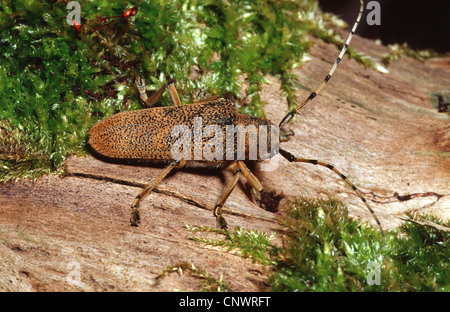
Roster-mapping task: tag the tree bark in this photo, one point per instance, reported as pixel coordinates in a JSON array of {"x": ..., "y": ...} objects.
[{"x": 381, "y": 130}]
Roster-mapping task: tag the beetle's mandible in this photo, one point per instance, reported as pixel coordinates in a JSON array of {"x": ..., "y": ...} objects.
[{"x": 147, "y": 134}]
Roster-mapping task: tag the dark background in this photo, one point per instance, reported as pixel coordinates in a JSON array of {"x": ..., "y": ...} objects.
[{"x": 422, "y": 24}]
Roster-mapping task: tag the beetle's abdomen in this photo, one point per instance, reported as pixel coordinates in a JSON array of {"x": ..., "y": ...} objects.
[{"x": 147, "y": 134}]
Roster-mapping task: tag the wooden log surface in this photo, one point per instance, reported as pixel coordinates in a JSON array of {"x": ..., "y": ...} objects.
[{"x": 382, "y": 130}]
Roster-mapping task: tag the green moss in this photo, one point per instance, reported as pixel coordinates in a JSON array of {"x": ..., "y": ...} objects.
[
  {"x": 209, "y": 283},
  {"x": 55, "y": 83},
  {"x": 396, "y": 51},
  {"x": 326, "y": 250},
  {"x": 254, "y": 244},
  {"x": 422, "y": 260},
  {"x": 21, "y": 155}
]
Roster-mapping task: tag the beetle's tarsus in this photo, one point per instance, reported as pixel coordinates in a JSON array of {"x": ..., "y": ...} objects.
[
  {"x": 221, "y": 222},
  {"x": 135, "y": 218},
  {"x": 285, "y": 135},
  {"x": 256, "y": 194}
]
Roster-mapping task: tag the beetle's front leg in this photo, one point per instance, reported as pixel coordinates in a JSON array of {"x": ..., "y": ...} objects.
[
  {"x": 285, "y": 134},
  {"x": 220, "y": 220},
  {"x": 239, "y": 168}
]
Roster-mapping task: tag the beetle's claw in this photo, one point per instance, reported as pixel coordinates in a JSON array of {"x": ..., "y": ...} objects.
[
  {"x": 221, "y": 222},
  {"x": 140, "y": 83},
  {"x": 285, "y": 135},
  {"x": 135, "y": 216}
]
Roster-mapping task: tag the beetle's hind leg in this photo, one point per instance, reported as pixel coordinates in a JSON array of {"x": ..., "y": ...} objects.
[
  {"x": 147, "y": 101},
  {"x": 151, "y": 101},
  {"x": 135, "y": 212}
]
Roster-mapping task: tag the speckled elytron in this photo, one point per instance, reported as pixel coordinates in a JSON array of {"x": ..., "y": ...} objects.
[{"x": 147, "y": 135}]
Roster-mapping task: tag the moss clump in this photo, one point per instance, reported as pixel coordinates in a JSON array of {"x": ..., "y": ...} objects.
[
  {"x": 55, "y": 82},
  {"x": 209, "y": 283},
  {"x": 326, "y": 250},
  {"x": 21, "y": 156},
  {"x": 254, "y": 244},
  {"x": 396, "y": 51}
]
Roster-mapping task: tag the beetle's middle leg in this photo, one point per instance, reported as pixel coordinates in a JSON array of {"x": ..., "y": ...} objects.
[
  {"x": 151, "y": 101},
  {"x": 220, "y": 220},
  {"x": 256, "y": 187},
  {"x": 135, "y": 212},
  {"x": 239, "y": 169}
]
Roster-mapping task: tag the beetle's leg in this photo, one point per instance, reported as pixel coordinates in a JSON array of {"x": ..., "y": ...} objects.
[
  {"x": 285, "y": 134},
  {"x": 254, "y": 182},
  {"x": 135, "y": 213},
  {"x": 238, "y": 168},
  {"x": 221, "y": 223},
  {"x": 151, "y": 101},
  {"x": 148, "y": 101},
  {"x": 173, "y": 94},
  {"x": 292, "y": 158},
  {"x": 256, "y": 187}
]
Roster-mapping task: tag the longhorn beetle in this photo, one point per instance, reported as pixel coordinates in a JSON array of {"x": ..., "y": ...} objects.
[{"x": 147, "y": 134}]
